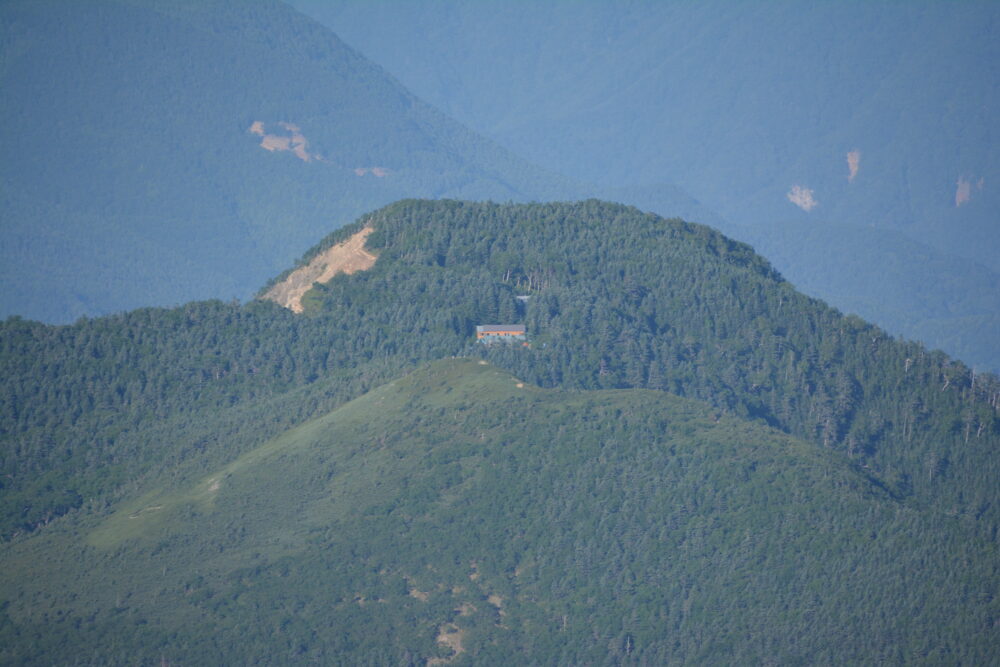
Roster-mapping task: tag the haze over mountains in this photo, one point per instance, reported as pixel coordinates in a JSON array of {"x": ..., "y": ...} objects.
[
  {"x": 832, "y": 119},
  {"x": 689, "y": 462},
  {"x": 158, "y": 152},
  {"x": 884, "y": 111}
]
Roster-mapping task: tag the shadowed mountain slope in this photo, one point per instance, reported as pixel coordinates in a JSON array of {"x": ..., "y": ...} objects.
[{"x": 158, "y": 152}]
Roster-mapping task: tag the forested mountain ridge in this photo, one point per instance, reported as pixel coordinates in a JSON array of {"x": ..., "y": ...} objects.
[
  {"x": 618, "y": 299},
  {"x": 459, "y": 515},
  {"x": 625, "y": 299},
  {"x": 471, "y": 510}
]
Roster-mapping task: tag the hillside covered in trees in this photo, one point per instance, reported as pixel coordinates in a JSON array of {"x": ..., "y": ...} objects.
[
  {"x": 690, "y": 462},
  {"x": 481, "y": 520}
]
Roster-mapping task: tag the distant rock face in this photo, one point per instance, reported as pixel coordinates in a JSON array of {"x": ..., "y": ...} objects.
[
  {"x": 290, "y": 138},
  {"x": 802, "y": 197},
  {"x": 878, "y": 83},
  {"x": 964, "y": 189},
  {"x": 853, "y": 163},
  {"x": 210, "y": 155},
  {"x": 347, "y": 257},
  {"x": 378, "y": 172}
]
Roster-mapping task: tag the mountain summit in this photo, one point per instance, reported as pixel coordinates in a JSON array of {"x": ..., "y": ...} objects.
[
  {"x": 685, "y": 460},
  {"x": 852, "y": 144}
]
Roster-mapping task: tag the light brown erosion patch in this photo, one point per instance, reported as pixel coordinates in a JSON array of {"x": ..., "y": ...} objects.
[
  {"x": 347, "y": 257},
  {"x": 378, "y": 172},
  {"x": 293, "y": 140},
  {"x": 853, "y": 163},
  {"x": 963, "y": 191},
  {"x": 802, "y": 197},
  {"x": 272, "y": 142},
  {"x": 449, "y": 635}
]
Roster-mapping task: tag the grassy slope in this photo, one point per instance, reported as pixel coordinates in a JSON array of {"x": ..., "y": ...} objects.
[{"x": 562, "y": 526}]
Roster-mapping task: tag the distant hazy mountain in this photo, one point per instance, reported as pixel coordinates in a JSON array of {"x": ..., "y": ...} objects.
[
  {"x": 157, "y": 152},
  {"x": 736, "y": 102},
  {"x": 946, "y": 301},
  {"x": 238, "y": 483},
  {"x": 882, "y": 115}
]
